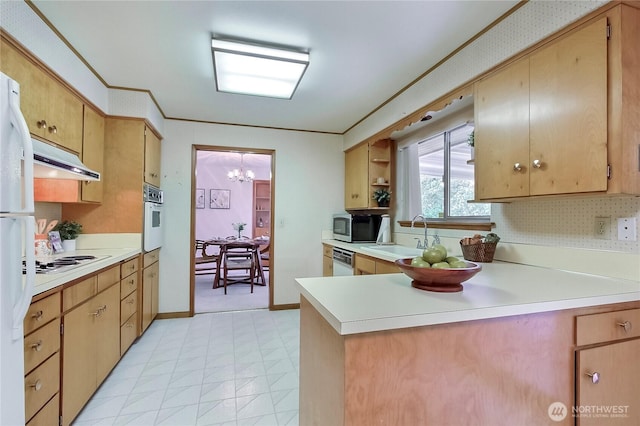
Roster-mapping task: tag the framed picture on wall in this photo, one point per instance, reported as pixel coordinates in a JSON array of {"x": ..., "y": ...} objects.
[
  {"x": 219, "y": 198},
  {"x": 200, "y": 198}
]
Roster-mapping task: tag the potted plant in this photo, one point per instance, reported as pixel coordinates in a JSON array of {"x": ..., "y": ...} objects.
[
  {"x": 382, "y": 196},
  {"x": 69, "y": 231},
  {"x": 239, "y": 227}
]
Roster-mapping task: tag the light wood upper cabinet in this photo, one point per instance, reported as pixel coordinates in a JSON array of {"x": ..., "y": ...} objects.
[
  {"x": 502, "y": 133},
  {"x": 52, "y": 111},
  {"x": 93, "y": 153},
  {"x": 125, "y": 147},
  {"x": 568, "y": 113},
  {"x": 151, "y": 158},
  {"x": 356, "y": 177},
  {"x": 364, "y": 164},
  {"x": 64, "y": 117},
  {"x": 541, "y": 122}
]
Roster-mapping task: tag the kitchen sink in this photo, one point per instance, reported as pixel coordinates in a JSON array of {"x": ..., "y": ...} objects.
[{"x": 398, "y": 252}]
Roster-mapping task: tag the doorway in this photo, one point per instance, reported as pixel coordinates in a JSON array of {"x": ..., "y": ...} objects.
[{"x": 232, "y": 200}]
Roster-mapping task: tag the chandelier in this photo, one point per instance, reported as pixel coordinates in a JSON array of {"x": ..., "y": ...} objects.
[{"x": 239, "y": 174}]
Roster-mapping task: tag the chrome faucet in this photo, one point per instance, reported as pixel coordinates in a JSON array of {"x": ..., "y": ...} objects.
[{"x": 424, "y": 222}]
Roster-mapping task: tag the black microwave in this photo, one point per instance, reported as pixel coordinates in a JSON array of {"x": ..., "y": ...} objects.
[{"x": 356, "y": 228}]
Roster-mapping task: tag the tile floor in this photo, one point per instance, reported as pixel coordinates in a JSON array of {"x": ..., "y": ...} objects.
[
  {"x": 238, "y": 297},
  {"x": 231, "y": 368}
]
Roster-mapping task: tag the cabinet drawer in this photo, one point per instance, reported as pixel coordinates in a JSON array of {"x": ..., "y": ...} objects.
[
  {"x": 40, "y": 344},
  {"x": 41, "y": 312},
  {"x": 78, "y": 293},
  {"x": 608, "y": 326},
  {"x": 108, "y": 278},
  {"x": 383, "y": 267},
  {"x": 151, "y": 257},
  {"x": 327, "y": 250},
  {"x": 41, "y": 384},
  {"x": 49, "y": 415},
  {"x": 129, "y": 267},
  {"x": 128, "y": 306},
  {"x": 128, "y": 333},
  {"x": 365, "y": 265},
  {"x": 127, "y": 285}
]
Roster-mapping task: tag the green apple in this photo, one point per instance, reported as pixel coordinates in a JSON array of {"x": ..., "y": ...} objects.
[
  {"x": 459, "y": 264},
  {"x": 433, "y": 255},
  {"x": 452, "y": 259},
  {"x": 441, "y": 265},
  {"x": 442, "y": 249},
  {"x": 420, "y": 263}
]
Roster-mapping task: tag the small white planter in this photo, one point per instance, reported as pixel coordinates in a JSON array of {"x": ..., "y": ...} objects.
[{"x": 69, "y": 245}]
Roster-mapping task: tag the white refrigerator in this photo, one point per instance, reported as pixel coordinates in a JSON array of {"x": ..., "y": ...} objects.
[{"x": 16, "y": 240}]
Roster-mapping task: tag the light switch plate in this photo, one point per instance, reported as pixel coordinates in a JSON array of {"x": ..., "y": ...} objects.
[{"x": 627, "y": 229}]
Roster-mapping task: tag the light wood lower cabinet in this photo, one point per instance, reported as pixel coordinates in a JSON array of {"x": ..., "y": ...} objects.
[
  {"x": 327, "y": 260},
  {"x": 91, "y": 348},
  {"x": 41, "y": 385},
  {"x": 150, "y": 284},
  {"x": 608, "y": 376},
  {"x": 365, "y": 265},
  {"x": 129, "y": 303},
  {"x": 42, "y": 361},
  {"x": 49, "y": 415},
  {"x": 510, "y": 370}
]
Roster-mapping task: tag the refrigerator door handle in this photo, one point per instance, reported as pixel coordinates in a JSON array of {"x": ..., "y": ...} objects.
[
  {"x": 20, "y": 124},
  {"x": 23, "y": 302}
]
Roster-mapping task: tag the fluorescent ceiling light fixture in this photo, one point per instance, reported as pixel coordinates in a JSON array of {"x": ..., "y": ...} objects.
[{"x": 257, "y": 70}]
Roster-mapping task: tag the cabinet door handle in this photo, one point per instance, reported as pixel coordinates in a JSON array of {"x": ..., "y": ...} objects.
[
  {"x": 537, "y": 164},
  {"x": 37, "y": 315},
  {"x": 37, "y": 385},
  {"x": 130, "y": 301},
  {"x": 131, "y": 281},
  {"x": 595, "y": 377},
  {"x": 96, "y": 313},
  {"x": 53, "y": 129},
  {"x": 517, "y": 167},
  {"x": 37, "y": 346},
  {"x": 626, "y": 325},
  {"x": 42, "y": 124}
]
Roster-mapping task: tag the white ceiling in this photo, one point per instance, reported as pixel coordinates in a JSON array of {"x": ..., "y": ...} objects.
[{"x": 362, "y": 52}]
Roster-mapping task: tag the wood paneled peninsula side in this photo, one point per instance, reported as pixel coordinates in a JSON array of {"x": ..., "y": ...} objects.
[{"x": 374, "y": 350}]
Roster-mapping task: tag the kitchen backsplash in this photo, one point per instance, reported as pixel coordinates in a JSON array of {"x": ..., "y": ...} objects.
[
  {"x": 48, "y": 211},
  {"x": 565, "y": 222}
]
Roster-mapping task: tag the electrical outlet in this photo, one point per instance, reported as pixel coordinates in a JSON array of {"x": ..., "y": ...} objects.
[
  {"x": 627, "y": 229},
  {"x": 603, "y": 227}
]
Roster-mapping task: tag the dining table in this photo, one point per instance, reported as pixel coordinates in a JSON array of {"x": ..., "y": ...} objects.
[{"x": 251, "y": 244}]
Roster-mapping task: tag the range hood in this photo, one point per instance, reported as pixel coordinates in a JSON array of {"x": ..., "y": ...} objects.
[{"x": 50, "y": 162}]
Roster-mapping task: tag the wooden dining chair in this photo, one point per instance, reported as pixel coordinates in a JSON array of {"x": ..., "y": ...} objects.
[
  {"x": 263, "y": 262},
  {"x": 238, "y": 256},
  {"x": 207, "y": 256}
]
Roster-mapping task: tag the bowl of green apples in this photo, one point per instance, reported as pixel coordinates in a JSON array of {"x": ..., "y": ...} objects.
[{"x": 436, "y": 271}]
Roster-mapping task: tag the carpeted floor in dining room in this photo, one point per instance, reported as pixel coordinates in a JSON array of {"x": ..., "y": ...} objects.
[{"x": 238, "y": 297}]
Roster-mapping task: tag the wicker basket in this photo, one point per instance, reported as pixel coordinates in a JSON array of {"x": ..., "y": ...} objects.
[{"x": 481, "y": 252}]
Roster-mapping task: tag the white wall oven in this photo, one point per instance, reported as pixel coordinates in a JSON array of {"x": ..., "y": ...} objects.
[{"x": 153, "y": 218}]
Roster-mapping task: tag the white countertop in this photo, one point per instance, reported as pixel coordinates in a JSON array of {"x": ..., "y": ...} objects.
[
  {"x": 46, "y": 282},
  {"x": 367, "y": 303}
]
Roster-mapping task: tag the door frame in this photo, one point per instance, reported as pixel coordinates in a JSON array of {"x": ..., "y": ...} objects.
[{"x": 194, "y": 156}]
